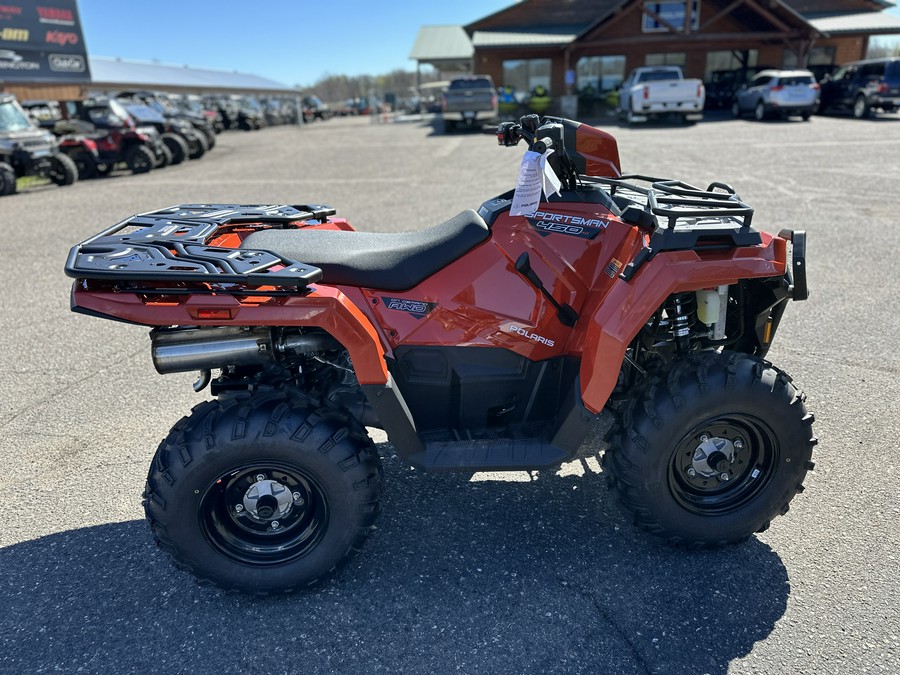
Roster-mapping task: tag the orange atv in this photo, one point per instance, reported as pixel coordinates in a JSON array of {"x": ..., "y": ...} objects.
[{"x": 489, "y": 342}]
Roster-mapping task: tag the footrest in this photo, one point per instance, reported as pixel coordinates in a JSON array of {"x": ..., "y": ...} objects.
[{"x": 502, "y": 454}]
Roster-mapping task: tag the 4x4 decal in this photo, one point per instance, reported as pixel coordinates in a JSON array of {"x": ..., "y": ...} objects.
[{"x": 417, "y": 308}]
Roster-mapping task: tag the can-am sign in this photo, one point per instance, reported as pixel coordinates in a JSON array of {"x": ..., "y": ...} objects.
[{"x": 42, "y": 42}]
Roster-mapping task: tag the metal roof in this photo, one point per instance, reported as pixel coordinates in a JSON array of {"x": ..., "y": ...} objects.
[
  {"x": 441, "y": 43},
  {"x": 513, "y": 38},
  {"x": 864, "y": 22},
  {"x": 107, "y": 71}
]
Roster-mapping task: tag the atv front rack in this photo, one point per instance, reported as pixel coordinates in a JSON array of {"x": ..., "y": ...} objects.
[
  {"x": 679, "y": 216},
  {"x": 172, "y": 245}
]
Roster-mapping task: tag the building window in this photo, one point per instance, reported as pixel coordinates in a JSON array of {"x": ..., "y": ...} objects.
[
  {"x": 672, "y": 12},
  {"x": 599, "y": 73},
  {"x": 666, "y": 59},
  {"x": 717, "y": 62},
  {"x": 820, "y": 61},
  {"x": 525, "y": 75}
]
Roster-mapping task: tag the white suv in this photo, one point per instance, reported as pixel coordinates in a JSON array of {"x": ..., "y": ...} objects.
[{"x": 778, "y": 93}]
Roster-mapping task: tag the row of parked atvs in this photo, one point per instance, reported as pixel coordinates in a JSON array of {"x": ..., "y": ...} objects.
[{"x": 67, "y": 140}]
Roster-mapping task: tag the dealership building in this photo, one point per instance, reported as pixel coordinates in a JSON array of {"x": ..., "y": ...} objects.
[{"x": 568, "y": 46}]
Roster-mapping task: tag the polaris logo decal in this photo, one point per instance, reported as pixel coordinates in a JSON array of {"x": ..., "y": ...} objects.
[
  {"x": 416, "y": 308},
  {"x": 561, "y": 223},
  {"x": 526, "y": 333}
]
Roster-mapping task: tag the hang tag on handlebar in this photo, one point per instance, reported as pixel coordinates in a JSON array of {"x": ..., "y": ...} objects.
[
  {"x": 549, "y": 180},
  {"x": 528, "y": 187}
]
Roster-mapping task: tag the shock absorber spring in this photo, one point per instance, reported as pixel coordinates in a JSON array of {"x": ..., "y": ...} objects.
[{"x": 683, "y": 312}]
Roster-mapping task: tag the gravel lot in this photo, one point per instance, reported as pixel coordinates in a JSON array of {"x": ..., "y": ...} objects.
[{"x": 494, "y": 574}]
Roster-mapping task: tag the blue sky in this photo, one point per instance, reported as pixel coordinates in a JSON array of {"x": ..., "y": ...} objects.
[{"x": 290, "y": 41}]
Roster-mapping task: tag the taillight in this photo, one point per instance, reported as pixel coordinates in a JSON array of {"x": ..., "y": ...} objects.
[
  {"x": 90, "y": 144},
  {"x": 646, "y": 91},
  {"x": 444, "y": 103},
  {"x": 815, "y": 85},
  {"x": 493, "y": 100},
  {"x": 777, "y": 87},
  {"x": 699, "y": 90},
  {"x": 883, "y": 88}
]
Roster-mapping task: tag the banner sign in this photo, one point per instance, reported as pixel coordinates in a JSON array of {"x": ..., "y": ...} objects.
[{"x": 42, "y": 42}]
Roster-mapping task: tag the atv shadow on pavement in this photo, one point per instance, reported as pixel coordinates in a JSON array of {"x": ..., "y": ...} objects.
[{"x": 475, "y": 576}]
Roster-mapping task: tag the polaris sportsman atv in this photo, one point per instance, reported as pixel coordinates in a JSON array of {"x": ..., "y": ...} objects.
[{"x": 489, "y": 342}]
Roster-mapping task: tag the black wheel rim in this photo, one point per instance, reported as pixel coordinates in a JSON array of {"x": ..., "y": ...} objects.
[
  {"x": 738, "y": 479},
  {"x": 264, "y": 538}
]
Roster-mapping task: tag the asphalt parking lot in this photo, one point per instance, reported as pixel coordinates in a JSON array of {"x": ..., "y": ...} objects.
[{"x": 485, "y": 574}]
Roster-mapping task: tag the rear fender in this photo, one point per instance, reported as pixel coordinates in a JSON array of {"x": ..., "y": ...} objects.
[
  {"x": 630, "y": 304},
  {"x": 325, "y": 307}
]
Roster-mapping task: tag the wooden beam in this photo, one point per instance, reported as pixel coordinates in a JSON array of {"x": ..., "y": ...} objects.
[
  {"x": 728, "y": 10},
  {"x": 695, "y": 39},
  {"x": 771, "y": 18}
]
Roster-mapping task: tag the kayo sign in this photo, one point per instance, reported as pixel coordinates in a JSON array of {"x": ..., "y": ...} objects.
[{"x": 42, "y": 41}]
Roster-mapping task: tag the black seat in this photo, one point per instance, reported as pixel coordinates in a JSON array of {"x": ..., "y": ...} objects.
[{"x": 386, "y": 261}]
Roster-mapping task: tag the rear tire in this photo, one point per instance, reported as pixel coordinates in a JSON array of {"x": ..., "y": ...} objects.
[
  {"x": 861, "y": 108},
  {"x": 62, "y": 170},
  {"x": 265, "y": 494},
  {"x": 709, "y": 452},
  {"x": 7, "y": 179},
  {"x": 86, "y": 163},
  {"x": 736, "y": 109},
  {"x": 140, "y": 159}
]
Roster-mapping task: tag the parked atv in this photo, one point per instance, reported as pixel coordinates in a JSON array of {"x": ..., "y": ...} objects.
[
  {"x": 120, "y": 140},
  {"x": 28, "y": 150},
  {"x": 489, "y": 342},
  {"x": 165, "y": 105},
  {"x": 183, "y": 141},
  {"x": 74, "y": 137}
]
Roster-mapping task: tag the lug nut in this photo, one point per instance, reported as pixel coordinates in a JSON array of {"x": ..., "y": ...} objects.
[
  {"x": 691, "y": 472},
  {"x": 724, "y": 477},
  {"x": 704, "y": 438},
  {"x": 260, "y": 477},
  {"x": 298, "y": 498},
  {"x": 238, "y": 508},
  {"x": 738, "y": 444},
  {"x": 275, "y": 524}
]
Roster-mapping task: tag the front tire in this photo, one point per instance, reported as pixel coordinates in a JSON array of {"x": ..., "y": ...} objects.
[
  {"x": 177, "y": 146},
  {"x": 708, "y": 453},
  {"x": 263, "y": 495},
  {"x": 736, "y": 110},
  {"x": 861, "y": 108},
  {"x": 760, "y": 112},
  {"x": 62, "y": 170},
  {"x": 7, "y": 179}
]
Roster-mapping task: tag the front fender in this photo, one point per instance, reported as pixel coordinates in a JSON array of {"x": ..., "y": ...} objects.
[{"x": 629, "y": 305}]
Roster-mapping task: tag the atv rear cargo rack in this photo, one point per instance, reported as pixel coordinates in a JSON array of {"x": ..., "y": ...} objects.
[
  {"x": 680, "y": 216},
  {"x": 171, "y": 245}
]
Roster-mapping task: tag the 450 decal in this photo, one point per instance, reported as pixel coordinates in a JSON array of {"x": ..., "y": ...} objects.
[{"x": 561, "y": 223}]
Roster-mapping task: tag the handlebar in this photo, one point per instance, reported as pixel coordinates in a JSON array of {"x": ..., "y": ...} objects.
[{"x": 541, "y": 135}]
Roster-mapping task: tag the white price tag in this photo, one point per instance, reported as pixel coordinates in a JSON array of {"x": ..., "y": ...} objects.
[
  {"x": 550, "y": 180},
  {"x": 528, "y": 187}
]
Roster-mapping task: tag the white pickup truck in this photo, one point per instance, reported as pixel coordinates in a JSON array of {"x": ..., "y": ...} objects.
[{"x": 660, "y": 91}]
